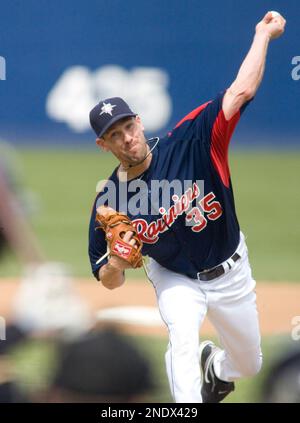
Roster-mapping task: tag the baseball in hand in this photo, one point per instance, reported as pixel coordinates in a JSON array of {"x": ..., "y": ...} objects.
[{"x": 274, "y": 13}]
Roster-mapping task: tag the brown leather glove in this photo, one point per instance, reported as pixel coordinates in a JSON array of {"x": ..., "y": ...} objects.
[{"x": 115, "y": 225}]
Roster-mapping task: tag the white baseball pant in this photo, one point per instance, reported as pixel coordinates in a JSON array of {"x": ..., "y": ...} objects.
[{"x": 229, "y": 302}]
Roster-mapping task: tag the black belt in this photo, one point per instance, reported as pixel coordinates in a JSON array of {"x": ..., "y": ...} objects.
[{"x": 208, "y": 275}]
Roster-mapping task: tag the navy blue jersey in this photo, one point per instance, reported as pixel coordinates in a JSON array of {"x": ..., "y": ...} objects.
[{"x": 191, "y": 225}]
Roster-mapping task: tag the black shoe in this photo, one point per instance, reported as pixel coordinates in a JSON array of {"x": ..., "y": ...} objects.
[{"x": 213, "y": 390}]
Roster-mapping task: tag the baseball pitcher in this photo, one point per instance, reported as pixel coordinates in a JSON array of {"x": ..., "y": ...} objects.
[{"x": 171, "y": 199}]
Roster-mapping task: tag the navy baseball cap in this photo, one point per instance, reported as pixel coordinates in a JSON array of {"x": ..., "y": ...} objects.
[{"x": 108, "y": 112}]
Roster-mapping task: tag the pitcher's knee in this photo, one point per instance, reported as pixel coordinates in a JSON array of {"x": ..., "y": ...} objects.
[{"x": 183, "y": 341}]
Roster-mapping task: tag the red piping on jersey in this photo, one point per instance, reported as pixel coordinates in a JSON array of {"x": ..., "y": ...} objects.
[
  {"x": 193, "y": 114},
  {"x": 220, "y": 138}
]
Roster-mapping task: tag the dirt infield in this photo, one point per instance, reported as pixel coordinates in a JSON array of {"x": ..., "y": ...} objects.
[{"x": 278, "y": 303}]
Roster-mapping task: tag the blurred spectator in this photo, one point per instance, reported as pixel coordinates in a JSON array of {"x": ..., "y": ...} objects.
[
  {"x": 46, "y": 303},
  {"x": 16, "y": 234},
  {"x": 101, "y": 366},
  {"x": 282, "y": 384},
  {"x": 46, "y": 300},
  {"x": 15, "y": 231}
]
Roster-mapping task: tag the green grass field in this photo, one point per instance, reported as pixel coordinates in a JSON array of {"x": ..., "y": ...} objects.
[
  {"x": 35, "y": 361},
  {"x": 246, "y": 390},
  {"x": 266, "y": 193}
]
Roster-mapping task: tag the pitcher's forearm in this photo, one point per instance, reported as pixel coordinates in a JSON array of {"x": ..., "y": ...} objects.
[
  {"x": 111, "y": 277},
  {"x": 252, "y": 69}
]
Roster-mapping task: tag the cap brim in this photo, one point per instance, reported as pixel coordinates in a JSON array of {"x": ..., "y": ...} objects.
[{"x": 114, "y": 120}]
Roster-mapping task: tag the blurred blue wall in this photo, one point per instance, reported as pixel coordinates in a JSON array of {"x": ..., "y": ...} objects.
[{"x": 199, "y": 44}]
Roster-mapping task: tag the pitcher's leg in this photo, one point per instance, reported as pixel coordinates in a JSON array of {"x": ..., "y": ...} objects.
[
  {"x": 238, "y": 329},
  {"x": 234, "y": 314},
  {"x": 183, "y": 307}
]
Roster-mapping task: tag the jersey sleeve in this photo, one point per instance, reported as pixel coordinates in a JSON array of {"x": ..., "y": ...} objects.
[
  {"x": 208, "y": 124},
  {"x": 97, "y": 244}
]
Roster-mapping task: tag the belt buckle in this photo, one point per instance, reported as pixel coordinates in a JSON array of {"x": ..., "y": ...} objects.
[
  {"x": 204, "y": 273},
  {"x": 213, "y": 269}
]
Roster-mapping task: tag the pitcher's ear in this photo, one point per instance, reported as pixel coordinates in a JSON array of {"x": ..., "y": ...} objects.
[
  {"x": 101, "y": 144},
  {"x": 139, "y": 121}
]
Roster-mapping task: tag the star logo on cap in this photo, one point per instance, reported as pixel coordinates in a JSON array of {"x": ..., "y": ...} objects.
[{"x": 107, "y": 108}]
